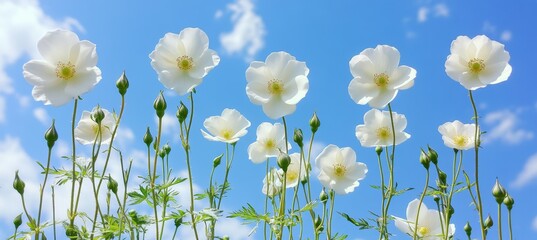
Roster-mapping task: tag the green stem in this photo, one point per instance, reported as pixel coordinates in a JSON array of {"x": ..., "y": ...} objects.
[
  {"x": 456, "y": 171},
  {"x": 186, "y": 147},
  {"x": 285, "y": 134},
  {"x": 382, "y": 188},
  {"x": 42, "y": 189},
  {"x": 476, "y": 148},
  {"x": 423, "y": 193},
  {"x": 154, "y": 176},
  {"x": 500, "y": 221},
  {"x": 72, "y": 213},
  {"x": 329, "y": 224},
  {"x": 509, "y": 223},
  {"x": 53, "y": 213},
  {"x": 391, "y": 162},
  {"x": 282, "y": 205},
  {"x": 266, "y": 199}
]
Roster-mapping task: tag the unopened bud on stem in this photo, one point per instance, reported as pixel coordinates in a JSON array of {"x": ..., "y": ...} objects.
[
  {"x": 148, "y": 138},
  {"x": 283, "y": 161},
  {"x": 160, "y": 105},
  {"x": 314, "y": 123},
  {"x": 122, "y": 84},
  {"x": 298, "y": 138},
  {"x": 51, "y": 135},
  {"x": 18, "y": 184}
]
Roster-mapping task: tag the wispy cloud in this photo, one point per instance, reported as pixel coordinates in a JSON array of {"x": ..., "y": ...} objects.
[
  {"x": 529, "y": 173},
  {"x": 23, "y": 23},
  {"x": 534, "y": 224},
  {"x": 505, "y": 128},
  {"x": 247, "y": 35},
  {"x": 41, "y": 115},
  {"x": 491, "y": 29},
  {"x": 506, "y": 36},
  {"x": 2, "y": 109},
  {"x": 440, "y": 10}
]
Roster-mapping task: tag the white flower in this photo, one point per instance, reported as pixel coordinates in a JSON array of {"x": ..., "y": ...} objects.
[
  {"x": 183, "y": 60},
  {"x": 87, "y": 130},
  {"x": 272, "y": 183},
  {"x": 458, "y": 135},
  {"x": 295, "y": 171},
  {"x": 228, "y": 127},
  {"x": 278, "y": 84},
  {"x": 67, "y": 71},
  {"x": 377, "y": 76},
  {"x": 377, "y": 129},
  {"x": 429, "y": 227},
  {"x": 270, "y": 141},
  {"x": 477, "y": 62},
  {"x": 339, "y": 170}
]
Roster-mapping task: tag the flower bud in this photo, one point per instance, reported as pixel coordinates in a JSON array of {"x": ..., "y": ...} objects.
[
  {"x": 424, "y": 159},
  {"x": 436, "y": 198},
  {"x": 112, "y": 184},
  {"x": 178, "y": 221},
  {"x": 468, "y": 229},
  {"x": 509, "y": 202},
  {"x": 217, "y": 160},
  {"x": 378, "y": 150},
  {"x": 122, "y": 84},
  {"x": 314, "y": 123},
  {"x": 43, "y": 237},
  {"x": 18, "y": 184},
  {"x": 298, "y": 138},
  {"x": 160, "y": 105},
  {"x": 51, "y": 135},
  {"x": 283, "y": 161},
  {"x": 451, "y": 211},
  {"x": 71, "y": 232},
  {"x": 225, "y": 238},
  {"x": 442, "y": 177},
  {"x": 488, "y": 222},
  {"x": 97, "y": 115},
  {"x": 182, "y": 113},
  {"x": 498, "y": 192},
  {"x": 162, "y": 153},
  {"x": 319, "y": 224},
  {"x": 323, "y": 196},
  {"x": 433, "y": 155},
  {"x": 17, "y": 221},
  {"x": 167, "y": 149},
  {"x": 148, "y": 138}
]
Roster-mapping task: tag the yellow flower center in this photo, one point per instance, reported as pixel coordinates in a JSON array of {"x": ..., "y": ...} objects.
[
  {"x": 383, "y": 133},
  {"x": 275, "y": 87},
  {"x": 381, "y": 79},
  {"x": 291, "y": 176},
  {"x": 476, "y": 65},
  {"x": 65, "y": 71},
  {"x": 185, "y": 63},
  {"x": 339, "y": 170},
  {"x": 270, "y": 144},
  {"x": 423, "y": 231},
  {"x": 226, "y": 134},
  {"x": 460, "y": 141}
]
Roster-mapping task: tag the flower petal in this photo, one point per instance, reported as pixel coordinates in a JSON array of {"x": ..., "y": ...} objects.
[
  {"x": 383, "y": 98},
  {"x": 55, "y": 45},
  {"x": 195, "y": 42},
  {"x": 256, "y": 153},
  {"x": 84, "y": 55},
  {"x": 362, "y": 93},
  {"x": 295, "y": 90},
  {"x": 361, "y": 65},
  {"x": 402, "y": 77},
  {"x": 39, "y": 72},
  {"x": 205, "y": 63},
  {"x": 178, "y": 81},
  {"x": 51, "y": 94},
  {"x": 276, "y": 108},
  {"x": 82, "y": 82},
  {"x": 276, "y": 63}
]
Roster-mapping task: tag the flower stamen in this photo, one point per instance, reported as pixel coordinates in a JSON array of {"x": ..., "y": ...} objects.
[
  {"x": 423, "y": 231},
  {"x": 270, "y": 144},
  {"x": 461, "y": 141},
  {"x": 339, "y": 169},
  {"x": 185, "y": 63},
  {"x": 65, "y": 71},
  {"x": 381, "y": 79},
  {"x": 226, "y": 134},
  {"x": 291, "y": 176},
  {"x": 476, "y": 65},
  {"x": 383, "y": 133},
  {"x": 275, "y": 87}
]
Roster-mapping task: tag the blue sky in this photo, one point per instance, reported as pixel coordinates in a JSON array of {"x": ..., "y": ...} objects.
[{"x": 325, "y": 36}]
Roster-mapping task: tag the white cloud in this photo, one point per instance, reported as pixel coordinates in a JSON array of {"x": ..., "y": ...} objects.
[
  {"x": 528, "y": 174},
  {"x": 124, "y": 136},
  {"x": 488, "y": 27},
  {"x": 61, "y": 148},
  {"x": 23, "y": 24},
  {"x": 2, "y": 109},
  {"x": 170, "y": 125},
  {"x": 506, "y": 36},
  {"x": 422, "y": 14},
  {"x": 505, "y": 128},
  {"x": 441, "y": 10},
  {"x": 41, "y": 115},
  {"x": 534, "y": 224},
  {"x": 248, "y": 31},
  {"x": 218, "y": 14}
]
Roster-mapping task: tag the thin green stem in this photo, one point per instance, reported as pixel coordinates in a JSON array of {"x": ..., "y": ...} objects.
[
  {"x": 154, "y": 176},
  {"x": 500, "y": 221},
  {"x": 266, "y": 199},
  {"x": 509, "y": 223},
  {"x": 285, "y": 134},
  {"x": 329, "y": 224},
  {"x": 42, "y": 188},
  {"x": 456, "y": 171},
  {"x": 282, "y": 205},
  {"x": 476, "y": 148},
  {"x": 186, "y": 147},
  {"x": 53, "y": 212},
  {"x": 391, "y": 164},
  {"x": 72, "y": 213},
  {"x": 423, "y": 193},
  {"x": 383, "y": 190}
]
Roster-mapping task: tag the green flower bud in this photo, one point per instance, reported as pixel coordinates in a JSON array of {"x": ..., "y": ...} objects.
[
  {"x": 97, "y": 115},
  {"x": 43, "y": 237},
  {"x": 509, "y": 202},
  {"x": 160, "y": 105},
  {"x": 319, "y": 224},
  {"x": 182, "y": 113},
  {"x": 283, "y": 161},
  {"x": 314, "y": 123},
  {"x": 298, "y": 138},
  {"x": 323, "y": 196},
  {"x": 304, "y": 180},
  {"x": 167, "y": 149},
  {"x": 217, "y": 160},
  {"x": 17, "y": 221},
  {"x": 178, "y": 221},
  {"x": 468, "y": 229},
  {"x": 18, "y": 184},
  {"x": 488, "y": 222},
  {"x": 424, "y": 159},
  {"x": 436, "y": 198},
  {"x": 498, "y": 192},
  {"x": 442, "y": 177},
  {"x": 122, "y": 84},
  {"x": 162, "y": 153},
  {"x": 433, "y": 155},
  {"x": 112, "y": 184},
  {"x": 225, "y": 238},
  {"x": 451, "y": 211},
  {"x": 71, "y": 232},
  {"x": 378, "y": 150},
  {"x": 148, "y": 138},
  {"x": 51, "y": 135}
]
